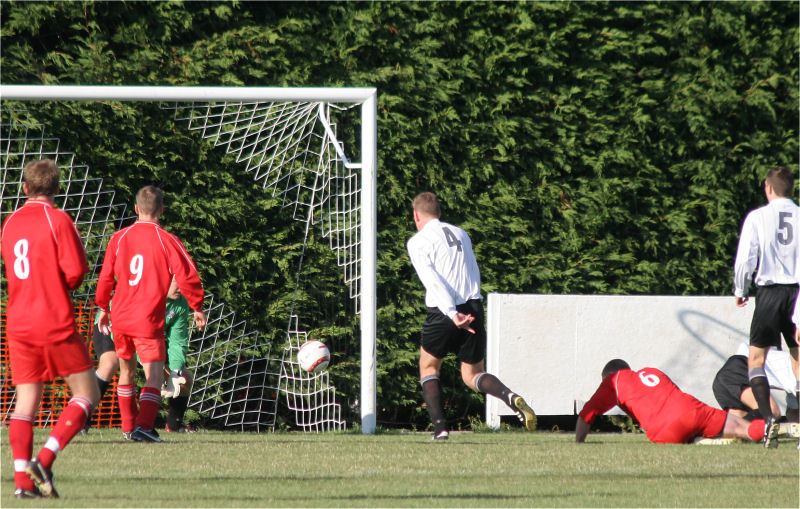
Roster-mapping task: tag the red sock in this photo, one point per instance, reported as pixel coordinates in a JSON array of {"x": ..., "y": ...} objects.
[
  {"x": 69, "y": 423},
  {"x": 149, "y": 404},
  {"x": 20, "y": 437},
  {"x": 126, "y": 396},
  {"x": 756, "y": 430}
]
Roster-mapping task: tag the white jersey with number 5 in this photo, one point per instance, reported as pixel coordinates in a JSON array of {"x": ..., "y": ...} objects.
[
  {"x": 442, "y": 256},
  {"x": 769, "y": 240}
]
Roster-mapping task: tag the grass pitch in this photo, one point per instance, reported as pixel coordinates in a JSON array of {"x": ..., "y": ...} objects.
[{"x": 403, "y": 469}]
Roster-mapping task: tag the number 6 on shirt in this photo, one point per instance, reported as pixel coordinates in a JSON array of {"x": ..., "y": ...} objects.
[
  {"x": 650, "y": 380},
  {"x": 137, "y": 264}
]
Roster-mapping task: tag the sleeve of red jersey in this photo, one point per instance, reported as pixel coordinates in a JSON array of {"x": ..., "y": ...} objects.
[
  {"x": 182, "y": 265},
  {"x": 105, "y": 282},
  {"x": 601, "y": 401},
  {"x": 71, "y": 254}
]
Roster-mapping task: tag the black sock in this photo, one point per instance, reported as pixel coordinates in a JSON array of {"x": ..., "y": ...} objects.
[
  {"x": 103, "y": 386},
  {"x": 177, "y": 407},
  {"x": 760, "y": 388},
  {"x": 752, "y": 415},
  {"x": 491, "y": 385},
  {"x": 432, "y": 394}
]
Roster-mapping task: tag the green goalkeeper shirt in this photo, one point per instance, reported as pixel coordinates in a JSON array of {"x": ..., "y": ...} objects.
[{"x": 176, "y": 330}]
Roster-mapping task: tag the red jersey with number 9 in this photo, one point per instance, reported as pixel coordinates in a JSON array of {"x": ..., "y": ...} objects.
[
  {"x": 44, "y": 260},
  {"x": 143, "y": 257},
  {"x": 647, "y": 395}
]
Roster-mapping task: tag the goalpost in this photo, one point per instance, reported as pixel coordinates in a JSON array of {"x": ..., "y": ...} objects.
[{"x": 300, "y": 103}]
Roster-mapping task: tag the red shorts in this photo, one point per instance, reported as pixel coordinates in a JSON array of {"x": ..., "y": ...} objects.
[
  {"x": 149, "y": 349},
  {"x": 43, "y": 363},
  {"x": 697, "y": 419}
]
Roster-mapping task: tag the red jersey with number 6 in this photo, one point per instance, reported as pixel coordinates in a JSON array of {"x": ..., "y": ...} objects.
[
  {"x": 45, "y": 260},
  {"x": 647, "y": 395},
  {"x": 143, "y": 257}
]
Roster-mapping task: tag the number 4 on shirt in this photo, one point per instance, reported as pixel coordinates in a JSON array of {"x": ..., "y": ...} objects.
[{"x": 452, "y": 240}]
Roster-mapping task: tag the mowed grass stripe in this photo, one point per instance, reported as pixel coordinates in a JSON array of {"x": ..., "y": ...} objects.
[{"x": 402, "y": 469}]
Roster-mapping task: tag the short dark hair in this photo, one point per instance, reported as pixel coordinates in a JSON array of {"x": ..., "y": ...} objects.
[
  {"x": 427, "y": 204},
  {"x": 782, "y": 181},
  {"x": 150, "y": 200},
  {"x": 41, "y": 177},
  {"x": 613, "y": 366}
]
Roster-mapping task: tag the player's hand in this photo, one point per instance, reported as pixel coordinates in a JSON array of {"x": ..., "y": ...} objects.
[
  {"x": 200, "y": 319},
  {"x": 462, "y": 321},
  {"x": 797, "y": 334},
  {"x": 742, "y": 301},
  {"x": 103, "y": 323}
]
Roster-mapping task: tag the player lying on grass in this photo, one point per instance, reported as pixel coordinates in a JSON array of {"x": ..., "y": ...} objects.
[
  {"x": 732, "y": 389},
  {"x": 669, "y": 415}
]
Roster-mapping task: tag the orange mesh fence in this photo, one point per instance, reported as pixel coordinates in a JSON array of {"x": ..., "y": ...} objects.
[{"x": 56, "y": 394}]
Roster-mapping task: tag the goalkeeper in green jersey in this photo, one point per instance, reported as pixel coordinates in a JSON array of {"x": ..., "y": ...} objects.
[
  {"x": 178, "y": 385},
  {"x": 178, "y": 381}
]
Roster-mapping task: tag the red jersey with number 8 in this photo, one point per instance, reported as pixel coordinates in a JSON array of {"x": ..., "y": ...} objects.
[
  {"x": 44, "y": 260},
  {"x": 650, "y": 397},
  {"x": 143, "y": 257}
]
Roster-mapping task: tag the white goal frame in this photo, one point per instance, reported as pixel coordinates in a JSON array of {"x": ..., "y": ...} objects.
[{"x": 366, "y": 97}]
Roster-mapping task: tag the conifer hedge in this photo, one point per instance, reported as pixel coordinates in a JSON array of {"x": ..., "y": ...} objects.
[{"x": 588, "y": 147}]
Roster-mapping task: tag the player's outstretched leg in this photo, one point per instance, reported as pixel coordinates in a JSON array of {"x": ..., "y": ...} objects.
[{"x": 491, "y": 385}]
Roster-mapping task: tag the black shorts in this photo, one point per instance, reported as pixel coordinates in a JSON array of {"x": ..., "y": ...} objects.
[
  {"x": 729, "y": 383},
  {"x": 773, "y": 316},
  {"x": 102, "y": 343},
  {"x": 440, "y": 335}
]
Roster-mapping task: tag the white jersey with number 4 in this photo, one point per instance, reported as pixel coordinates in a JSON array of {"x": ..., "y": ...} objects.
[
  {"x": 442, "y": 256},
  {"x": 769, "y": 240}
]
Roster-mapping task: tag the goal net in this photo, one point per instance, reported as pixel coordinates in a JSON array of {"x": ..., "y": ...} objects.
[{"x": 286, "y": 140}]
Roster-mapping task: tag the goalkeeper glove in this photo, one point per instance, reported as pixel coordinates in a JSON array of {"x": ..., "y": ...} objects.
[{"x": 172, "y": 385}]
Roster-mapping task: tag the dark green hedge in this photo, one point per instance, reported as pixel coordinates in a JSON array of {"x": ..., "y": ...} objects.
[{"x": 587, "y": 147}]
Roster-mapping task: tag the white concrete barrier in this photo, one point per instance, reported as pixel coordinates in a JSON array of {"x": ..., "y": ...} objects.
[{"x": 552, "y": 348}]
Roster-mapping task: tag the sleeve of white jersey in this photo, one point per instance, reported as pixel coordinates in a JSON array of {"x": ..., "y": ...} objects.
[
  {"x": 746, "y": 258},
  {"x": 434, "y": 283}
]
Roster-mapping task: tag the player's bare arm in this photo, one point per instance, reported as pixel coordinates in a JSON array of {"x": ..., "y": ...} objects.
[{"x": 581, "y": 430}]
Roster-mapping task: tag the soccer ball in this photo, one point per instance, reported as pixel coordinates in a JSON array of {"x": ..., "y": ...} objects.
[{"x": 313, "y": 356}]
